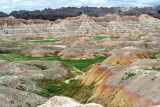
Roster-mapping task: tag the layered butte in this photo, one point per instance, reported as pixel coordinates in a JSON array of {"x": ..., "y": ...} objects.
[{"x": 80, "y": 25}]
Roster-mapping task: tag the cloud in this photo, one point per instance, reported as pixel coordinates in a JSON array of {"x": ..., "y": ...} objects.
[
  {"x": 15, "y": 0},
  {"x": 10, "y": 5},
  {"x": 93, "y": 1}
]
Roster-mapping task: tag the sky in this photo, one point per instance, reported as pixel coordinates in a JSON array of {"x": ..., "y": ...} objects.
[{"x": 10, "y": 5}]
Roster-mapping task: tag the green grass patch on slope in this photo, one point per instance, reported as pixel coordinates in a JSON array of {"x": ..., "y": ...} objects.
[
  {"x": 147, "y": 41},
  {"x": 79, "y": 64},
  {"x": 31, "y": 42},
  {"x": 103, "y": 37},
  {"x": 99, "y": 37},
  {"x": 114, "y": 37},
  {"x": 153, "y": 68},
  {"x": 83, "y": 63},
  {"x": 52, "y": 89}
]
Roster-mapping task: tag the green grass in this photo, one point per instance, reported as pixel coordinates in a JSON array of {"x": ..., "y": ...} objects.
[
  {"x": 155, "y": 53},
  {"x": 60, "y": 89},
  {"x": 153, "y": 68},
  {"x": 114, "y": 37},
  {"x": 99, "y": 37},
  {"x": 69, "y": 90},
  {"x": 103, "y": 37},
  {"x": 79, "y": 64},
  {"x": 147, "y": 41},
  {"x": 79, "y": 73},
  {"x": 31, "y": 42},
  {"x": 128, "y": 75},
  {"x": 83, "y": 63}
]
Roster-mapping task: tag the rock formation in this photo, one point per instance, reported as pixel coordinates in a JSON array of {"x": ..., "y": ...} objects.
[
  {"x": 2, "y": 14},
  {"x": 81, "y": 25},
  {"x": 59, "y": 101},
  {"x": 83, "y": 48},
  {"x": 54, "y": 14}
]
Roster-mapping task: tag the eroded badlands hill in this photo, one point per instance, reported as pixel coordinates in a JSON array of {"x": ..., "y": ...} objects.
[
  {"x": 111, "y": 60},
  {"x": 129, "y": 77},
  {"x": 81, "y": 25}
]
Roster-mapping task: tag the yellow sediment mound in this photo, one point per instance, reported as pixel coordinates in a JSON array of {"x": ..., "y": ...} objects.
[
  {"x": 108, "y": 95},
  {"x": 126, "y": 56}
]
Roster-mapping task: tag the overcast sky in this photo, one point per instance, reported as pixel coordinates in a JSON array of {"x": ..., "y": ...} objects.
[{"x": 10, "y": 5}]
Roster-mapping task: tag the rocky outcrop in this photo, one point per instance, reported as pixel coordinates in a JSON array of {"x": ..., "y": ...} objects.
[
  {"x": 59, "y": 101},
  {"x": 19, "y": 27},
  {"x": 54, "y": 14},
  {"x": 2, "y": 14},
  {"x": 81, "y": 25},
  {"x": 105, "y": 25}
]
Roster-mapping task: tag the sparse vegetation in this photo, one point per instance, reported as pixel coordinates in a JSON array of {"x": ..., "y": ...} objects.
[
  {"x": 31, "y": 42},
  {"x": 154, "y": 78},
  {"x": 153, "y": 68},
  {"x": 60, "y": 89},
  {"x": 19, "y": 57},
  {"x": 128, "y": 75}
]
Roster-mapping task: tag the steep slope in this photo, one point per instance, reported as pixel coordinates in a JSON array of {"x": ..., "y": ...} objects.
[
  {"x": 127, "y": 83},
  {"x": 81, "y": 25}
]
